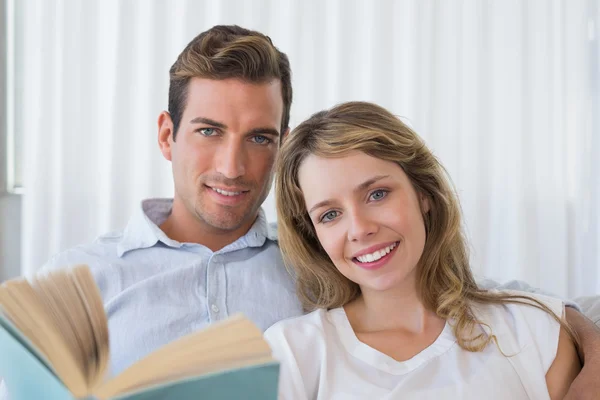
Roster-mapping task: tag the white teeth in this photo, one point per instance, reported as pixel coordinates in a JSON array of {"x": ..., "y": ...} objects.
[
  {"x": 226, "y": 193},
  {"x": 376, "y": 255}
]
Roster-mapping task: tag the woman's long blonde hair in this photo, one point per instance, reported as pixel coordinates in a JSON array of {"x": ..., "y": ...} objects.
[{"x": 444, "y": 279}]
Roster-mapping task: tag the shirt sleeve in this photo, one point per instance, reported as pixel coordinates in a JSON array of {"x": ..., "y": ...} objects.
[
  {"x": 537, "y": 328},
  {"x": 64, "y": 259},
  {"x": 524, "y": 287}
]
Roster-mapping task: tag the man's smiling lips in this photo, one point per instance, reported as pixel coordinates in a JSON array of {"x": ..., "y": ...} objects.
[{"x": 228, "y": 195}]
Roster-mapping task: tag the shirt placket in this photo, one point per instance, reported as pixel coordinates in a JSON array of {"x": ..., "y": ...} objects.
[{"x": 216, "y": 293}]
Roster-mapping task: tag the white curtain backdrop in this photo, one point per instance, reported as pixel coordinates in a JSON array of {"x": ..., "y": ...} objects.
[{"x": 504, "y": 92}]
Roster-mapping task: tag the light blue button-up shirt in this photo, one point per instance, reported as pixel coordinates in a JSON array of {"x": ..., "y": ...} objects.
[{"x": 156, "y": 289}]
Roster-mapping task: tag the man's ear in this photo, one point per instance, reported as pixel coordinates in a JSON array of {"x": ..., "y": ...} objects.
[{"x": 165, "y": 134}]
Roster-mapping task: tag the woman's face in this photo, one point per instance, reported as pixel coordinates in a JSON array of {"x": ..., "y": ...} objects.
[{"x": 368, "y": 218}]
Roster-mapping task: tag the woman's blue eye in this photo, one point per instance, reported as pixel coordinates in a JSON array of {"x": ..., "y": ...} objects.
[
  {"x": 378, "y": 194},
  {"x": 261, "y": 139},
  {"x": 207, "y": 131},
  {"x": 329, "y": 216}
]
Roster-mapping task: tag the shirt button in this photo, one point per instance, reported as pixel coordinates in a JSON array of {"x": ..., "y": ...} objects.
[{"x": 214, "y": 308}]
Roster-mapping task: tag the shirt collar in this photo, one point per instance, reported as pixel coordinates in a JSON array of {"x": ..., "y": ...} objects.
[{"x": 143, "y": 230}]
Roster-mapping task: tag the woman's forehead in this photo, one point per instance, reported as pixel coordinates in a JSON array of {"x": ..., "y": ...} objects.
[{"x": 330, "y": 177}]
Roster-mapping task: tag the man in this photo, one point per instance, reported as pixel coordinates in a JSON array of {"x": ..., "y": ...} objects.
[
  {"x": 184, "y": 263},
  {"x": 208, "y": 253}
]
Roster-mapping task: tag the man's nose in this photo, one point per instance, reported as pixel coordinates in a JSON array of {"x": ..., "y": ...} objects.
[{"x": 231, "y": 159}]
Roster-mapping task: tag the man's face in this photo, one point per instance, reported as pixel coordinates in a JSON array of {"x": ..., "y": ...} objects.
[{"x": 224, "y": 152}]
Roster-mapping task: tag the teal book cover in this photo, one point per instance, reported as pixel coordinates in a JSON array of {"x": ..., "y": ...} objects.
[{"x": 28, "y": 376}]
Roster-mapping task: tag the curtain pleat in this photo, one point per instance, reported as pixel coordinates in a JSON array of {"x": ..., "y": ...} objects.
[{"x": 504, "y": 93}]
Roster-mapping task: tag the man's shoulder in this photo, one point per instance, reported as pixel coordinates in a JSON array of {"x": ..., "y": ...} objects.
[{"x": 101, "y": 250}]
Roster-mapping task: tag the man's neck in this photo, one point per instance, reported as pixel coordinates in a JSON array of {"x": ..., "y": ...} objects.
[{"x": 184, "y": 227}]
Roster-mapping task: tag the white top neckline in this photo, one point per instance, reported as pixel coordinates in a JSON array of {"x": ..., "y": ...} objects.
[
  {"x": 322, "y": 358},
  {"x": 382, "y": 361}
]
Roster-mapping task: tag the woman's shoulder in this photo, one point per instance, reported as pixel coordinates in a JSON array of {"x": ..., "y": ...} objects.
[
  {"x": 307, "y": 327},
  {"x": 524, "y": 328},
  {"x": 524, "y": 307}
]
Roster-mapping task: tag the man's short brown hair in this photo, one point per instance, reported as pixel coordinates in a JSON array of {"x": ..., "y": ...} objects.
[{"x": 224, "y": 52}]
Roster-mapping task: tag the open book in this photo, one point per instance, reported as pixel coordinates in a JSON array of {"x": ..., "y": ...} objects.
[{"x": 54, "y": 345}]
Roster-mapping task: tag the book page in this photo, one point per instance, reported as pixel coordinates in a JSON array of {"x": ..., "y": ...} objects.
[
  {"x": 92, "y": 300},
  {"x": 232, "y": 343},
  {"x": 64, "y": 307},
  {"x": 28, "y": 313}
]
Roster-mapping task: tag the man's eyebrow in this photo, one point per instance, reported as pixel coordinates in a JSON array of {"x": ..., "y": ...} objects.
[
  {"x": 208, "y": 121},
  {"x": 256, "y": 131},
  {"x": 359, "y": 188},
  {"x": 264, "y": 131}
]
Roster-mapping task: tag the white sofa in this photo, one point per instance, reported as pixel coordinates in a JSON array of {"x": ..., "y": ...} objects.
[{"x": 590, "y": 305}]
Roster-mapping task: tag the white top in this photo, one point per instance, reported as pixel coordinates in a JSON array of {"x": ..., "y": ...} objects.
[{"x": 321, "y": 358}]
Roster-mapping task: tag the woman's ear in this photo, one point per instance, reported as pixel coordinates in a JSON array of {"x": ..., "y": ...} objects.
[{"x": 424, "y": 200}]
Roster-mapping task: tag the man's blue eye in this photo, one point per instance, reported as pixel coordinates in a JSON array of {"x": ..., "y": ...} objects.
[
  {"x": 260, "y": 139},
  {"x": 207, "y": 131}
]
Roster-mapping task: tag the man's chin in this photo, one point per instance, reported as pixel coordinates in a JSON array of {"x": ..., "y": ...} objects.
[{"x": 227, "y": 220}]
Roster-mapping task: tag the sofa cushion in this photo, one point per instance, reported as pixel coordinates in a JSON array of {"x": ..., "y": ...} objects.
[{"x": 590, "y": 306}]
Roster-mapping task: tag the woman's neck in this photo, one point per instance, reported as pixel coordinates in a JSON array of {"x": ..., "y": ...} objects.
[
  {"x": 390, "y": 310},
  {"x": 396, "y": 324}
]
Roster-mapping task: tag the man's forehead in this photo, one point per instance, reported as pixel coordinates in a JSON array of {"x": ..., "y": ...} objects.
[
  {"x": 237, "y": 88},
  {"x": 233, "y": 99}
]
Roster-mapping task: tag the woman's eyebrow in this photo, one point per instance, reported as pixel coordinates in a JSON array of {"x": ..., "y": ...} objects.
[{"x": 359, "y": 188}]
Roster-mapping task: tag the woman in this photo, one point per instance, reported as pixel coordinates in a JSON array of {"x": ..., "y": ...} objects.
[{"x": 372, "y": 229}]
